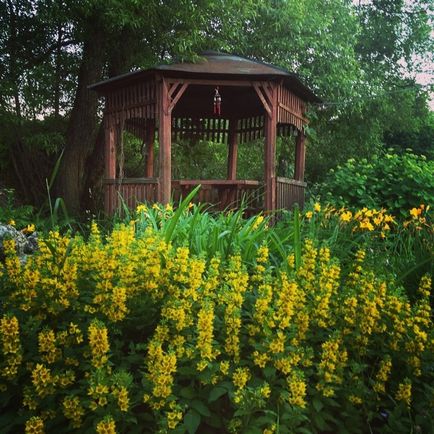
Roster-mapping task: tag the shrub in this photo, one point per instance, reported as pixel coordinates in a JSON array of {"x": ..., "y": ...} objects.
[{"x": 395, "y": 182}]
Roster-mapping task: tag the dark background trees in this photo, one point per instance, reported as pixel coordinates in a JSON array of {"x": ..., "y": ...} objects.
[{"x": 360, "y": 57}]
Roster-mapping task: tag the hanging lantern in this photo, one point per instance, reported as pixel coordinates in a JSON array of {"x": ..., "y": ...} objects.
[{"x": 217, "y": 102}]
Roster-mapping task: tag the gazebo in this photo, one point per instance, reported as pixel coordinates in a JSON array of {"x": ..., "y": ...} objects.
[{"x": 222, "y": 98}]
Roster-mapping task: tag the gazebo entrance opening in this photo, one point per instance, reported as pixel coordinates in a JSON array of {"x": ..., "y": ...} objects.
[{"x": 178, "y": 103}]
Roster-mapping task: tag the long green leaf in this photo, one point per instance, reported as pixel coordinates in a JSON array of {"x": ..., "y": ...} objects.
[
  {"x": 174, "y": 220},
  {"x": 297, "y": 238}
]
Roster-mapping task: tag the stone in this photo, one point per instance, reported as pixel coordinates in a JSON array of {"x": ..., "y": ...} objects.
[{"x": 25, "y": 245}]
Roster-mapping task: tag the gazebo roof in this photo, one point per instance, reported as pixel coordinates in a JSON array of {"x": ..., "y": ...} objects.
[{"x": 215, "y": 65}]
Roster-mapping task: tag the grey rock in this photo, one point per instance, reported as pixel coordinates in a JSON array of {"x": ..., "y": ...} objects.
[{"x": 25, "y": 245}]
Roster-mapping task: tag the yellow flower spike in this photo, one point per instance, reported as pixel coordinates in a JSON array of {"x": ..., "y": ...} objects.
[
  {"x": 205, "y": 328},
  {"x": 258, "y": 220},
  {"x": 297, "y": 390},
  {"x": 404, "y": 392},
  {"x": 240, "y": 377},
  {"x": 99, "y": 344},
  {"x": 73, "y": 410},
  {"x": 11, "y": 346}
]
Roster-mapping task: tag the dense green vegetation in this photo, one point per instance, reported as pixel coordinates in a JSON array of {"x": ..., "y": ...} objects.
[{"x": 391, "y": 181}]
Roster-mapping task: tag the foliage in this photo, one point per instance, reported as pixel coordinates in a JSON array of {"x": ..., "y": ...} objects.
[
  {"x": 391, "y": 181},
  {"x": 153, "y": 328},
  {"x": 403, "y": 248},
  {"x": 11, "y": 213}
]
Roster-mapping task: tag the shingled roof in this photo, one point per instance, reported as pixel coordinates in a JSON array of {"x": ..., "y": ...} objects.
[{"x": 216, "y": 65}]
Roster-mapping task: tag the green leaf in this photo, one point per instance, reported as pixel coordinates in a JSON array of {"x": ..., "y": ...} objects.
[
  {"x": 317, "y": 404},
  {"x": 200, "y": 407},
  {"x": 187, "y": 392},
  {"x": 192, "y": 421},
  {"x": 216, "y": 393}
]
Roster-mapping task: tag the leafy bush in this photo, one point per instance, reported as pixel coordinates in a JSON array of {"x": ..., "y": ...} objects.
[
  {"x": 132, "y": 332},
  {"x": 11, "y": 213},
  {"x": 395, "y": 182}
]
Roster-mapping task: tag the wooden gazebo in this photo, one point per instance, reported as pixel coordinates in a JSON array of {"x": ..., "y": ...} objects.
[{"x": 178, "y": 101}]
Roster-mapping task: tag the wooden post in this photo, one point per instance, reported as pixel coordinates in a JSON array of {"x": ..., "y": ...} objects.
[
  {"x": 110, "y": 163},
  {"x": 270, "y": 153},
  {"x": 164, "y": 136},
  {"x": 233, "y": 149},
  {"x": 150, "y": 137},
  {"x": 300, "y": 152}
]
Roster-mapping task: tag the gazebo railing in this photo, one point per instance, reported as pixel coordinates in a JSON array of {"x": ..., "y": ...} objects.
[
  {"x": 131, "y": 190},
  {"x": 223, "y": 194},
  {"x": 289, "y": 192}
]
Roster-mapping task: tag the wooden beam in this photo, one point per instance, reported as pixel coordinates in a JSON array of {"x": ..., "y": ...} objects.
[
  {"x": 110, "y": 160},
  {"x": 261, "y": 96},
  {"x": 287, "y": 109},
  {"x": 150, "y": 138},
  {"x": 204, "y": 82},
  {"x": 232, "y": 149},
  {"x": 165, "y": 139},
  {"x": 177, "y": 97},
  {"x": 300, "y": 155},
  {"x": 267, "y": 90},
  {"x": 270, "y": 153}
]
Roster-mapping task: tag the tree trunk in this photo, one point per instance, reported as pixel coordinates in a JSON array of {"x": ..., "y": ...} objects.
[
  {"x": 83, "y": 124},
  {"x": 121, "y": 59},
  {"x": 57, "y": 77}
]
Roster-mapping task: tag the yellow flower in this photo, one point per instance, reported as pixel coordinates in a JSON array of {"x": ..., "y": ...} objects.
[
  {"x": 11, "y": 222},
  {"x": 106, "y": 426},
  {"x": 309, "y": 215},
  {"x": 35, "y": 425},
  {"x": 29, "y": 229},
  {"x": 169, "y": 207},
  {"x": 141, "y": 208},
  {"x": 415, "y": 212},
  {"x": 346, "y": 216},
  {"x": 258, "y": 220},
  {"x": 317, "y": 207},
  {"x": 173, "y": 418},
  {"x": 265, "y": 391},
  {"x": 270, "y": 430}
]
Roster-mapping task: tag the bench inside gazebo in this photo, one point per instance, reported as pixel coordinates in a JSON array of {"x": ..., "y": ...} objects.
[{"x": 222, "y": 98}]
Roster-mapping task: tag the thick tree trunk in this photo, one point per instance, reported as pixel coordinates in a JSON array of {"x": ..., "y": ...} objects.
[
  {"x": 83, "y": 124},
  {"x": 121, "y": 59},
  {"x": 57, "y": 76}
]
